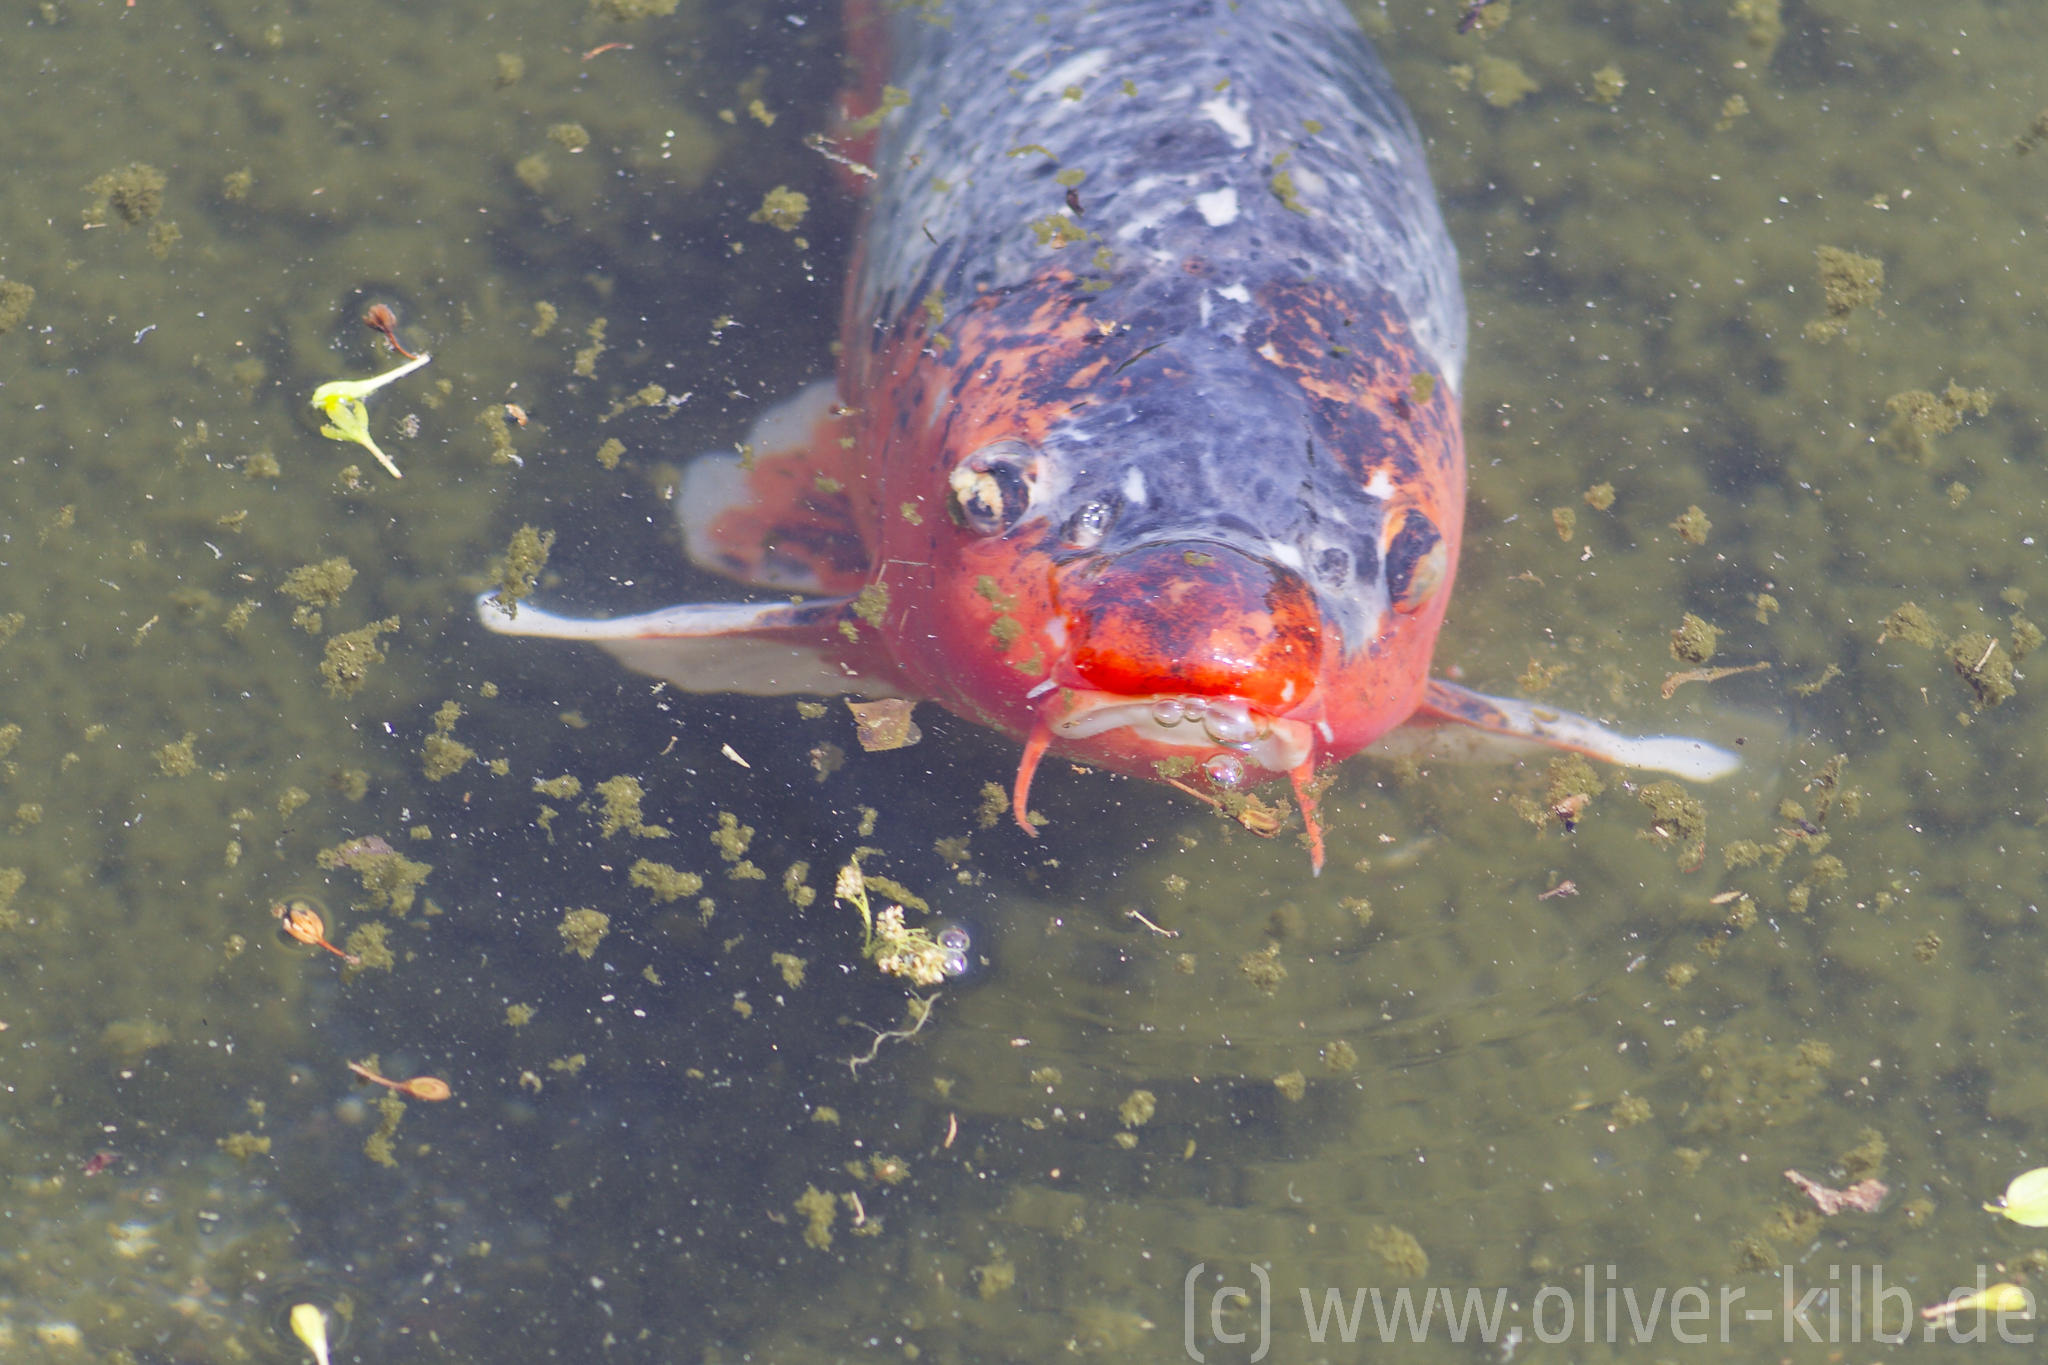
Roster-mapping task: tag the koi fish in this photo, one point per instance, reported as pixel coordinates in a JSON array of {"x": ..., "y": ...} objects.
[{"x": 1144, "y": 447}]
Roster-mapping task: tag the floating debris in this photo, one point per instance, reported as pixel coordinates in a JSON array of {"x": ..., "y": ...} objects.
[
  {"x": 302, "y": 921},
  {"x": 309, "y": 1324},
  {"x": 2002, "y": 1298},
  {"x": 1678, "y": 680},
  {"x": 348, "y": 418},
  {"x": 922, "y": 956},
  {"x": 430, "y": 1088},
  {"x": 883, "y": 725},
  {"x": 1864, "y": 1196},
  {"x": 2026, "y": 1199}
]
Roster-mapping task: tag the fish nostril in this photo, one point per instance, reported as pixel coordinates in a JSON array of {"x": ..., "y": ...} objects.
[{"x": 1087, "y": 527}]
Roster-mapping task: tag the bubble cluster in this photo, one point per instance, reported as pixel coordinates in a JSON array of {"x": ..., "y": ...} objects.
[
  {"x": 1225, "y": 721},
  {"x": 954, "y": 942}
]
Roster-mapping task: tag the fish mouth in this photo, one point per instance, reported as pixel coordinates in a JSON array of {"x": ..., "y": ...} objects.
[
  {"x": 1185, "y": 650},
  {"x": 1244, "y": 744},
  {"x": 1242, "y": 738}
]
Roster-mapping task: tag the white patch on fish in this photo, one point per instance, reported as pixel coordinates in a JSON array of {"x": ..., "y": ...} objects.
[{"x": 1218, "y": 207}]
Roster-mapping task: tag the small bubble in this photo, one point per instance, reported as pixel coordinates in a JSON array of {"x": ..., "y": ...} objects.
[
  {"x": 1230, "y": 723},
  {"x": 1225, "y": 771}
]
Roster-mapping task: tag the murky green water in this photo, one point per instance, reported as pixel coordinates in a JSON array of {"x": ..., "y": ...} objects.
[{"x": 1515, "y": 1086}]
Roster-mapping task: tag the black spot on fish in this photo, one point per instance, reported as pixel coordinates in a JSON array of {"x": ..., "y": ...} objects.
[{"x": 1411, "y": 544}]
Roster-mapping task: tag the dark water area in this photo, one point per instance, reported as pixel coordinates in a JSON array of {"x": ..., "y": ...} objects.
[{"x": 1479, "y": 1053}]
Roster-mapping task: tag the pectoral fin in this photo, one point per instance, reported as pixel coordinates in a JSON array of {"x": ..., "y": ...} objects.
[
  {"x": 1517, "y": 726},
  {"x": 779, "y": 515},
  {"x": 768, "y": 649}
]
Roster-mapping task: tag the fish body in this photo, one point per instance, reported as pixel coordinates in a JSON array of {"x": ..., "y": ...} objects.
[{"x": 1145, "y": 445}]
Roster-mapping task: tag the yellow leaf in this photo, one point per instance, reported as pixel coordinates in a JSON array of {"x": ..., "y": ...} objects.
[
  {"x": 2007, "y": 1299},
  {"x": 349, "y": 417},
  {"x": 2026, "y": 1199}
]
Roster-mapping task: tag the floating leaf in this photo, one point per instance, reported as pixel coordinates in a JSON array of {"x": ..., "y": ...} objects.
[
  {"x": 885, "y": 724},
  {"x": 348, "y": 418},
  {"x": 2026, "y": 1199},
  {"x": 1999, "y": 1298}
]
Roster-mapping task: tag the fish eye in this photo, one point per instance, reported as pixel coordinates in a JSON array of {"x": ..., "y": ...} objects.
[
  {"x": 1417, "y": 561},
  {"x": 991, "y": 489},
  {"x": 1086, "y": 528}
]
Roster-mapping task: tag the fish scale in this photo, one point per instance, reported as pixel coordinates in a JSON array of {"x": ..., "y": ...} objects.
[{"x": 1216, "y": 93}]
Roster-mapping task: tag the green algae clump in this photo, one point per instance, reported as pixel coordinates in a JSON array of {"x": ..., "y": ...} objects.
[
  {"x": 1982, "y": 662},
  {"x": 1503, "y": 83},
  {"x": 1911, "y": 623},
  {"x": 998, "y": 1277},
  {"x": 1919, "y": 416},
  {"x": 11, "y": 882},
  {"x": 583, "y": 930},
  {"x": 1398, "y": 1251},
  {"x": 1680, "y": 818},
  {"x": 1264, "y": 968},
  {"x": 349, "y": 657},
  {"x": 1571, "y": 784},
  {"x": 1694, "y": 641},
  {"x": 1763, "y": 24},
  {"x": 15, "y": 301},
  {"x": 526, "y": 554},
  {"x": 135, "y": 194},
  {"x": 782, "y": 207},
  {"x": 242, "y": 1146},
  {"x": 370, "y": 947},
  {"x": 731, "y": 838},
  {"x": 390, "y": 879},
  {"x": 819, "y": 1210},
  {"x": 665, "y": 882},
  {"x": 1847, "y": 282},
  {"x": 180, "y": 759},
  {"x": 378, "y": 1146},
  {"x": 443, "y": 756},
  {"x": 622, "y": 796},
  {"x": 1630, "y": 1111},
  {"x": 1693, "y": 527},
  {"x": 871, "y": 603}
]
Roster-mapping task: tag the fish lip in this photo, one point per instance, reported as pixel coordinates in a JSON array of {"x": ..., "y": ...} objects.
[
  {"x": 1188, "y": 721},
  {"x": 1197, "y": 616}
]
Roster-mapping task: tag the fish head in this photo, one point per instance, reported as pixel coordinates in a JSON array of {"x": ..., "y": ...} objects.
[{"x": 1209, "y": 564}]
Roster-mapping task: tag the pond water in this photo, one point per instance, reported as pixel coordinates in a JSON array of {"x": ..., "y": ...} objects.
[{"x": 1183, "y": 1081}]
